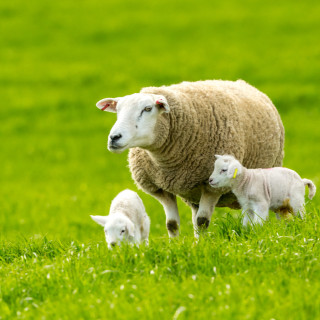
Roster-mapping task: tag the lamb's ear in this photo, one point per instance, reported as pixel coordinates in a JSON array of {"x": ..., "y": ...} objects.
[
  {"x": 100, "y": 219},
  {"x": 233, "y": 170},
  {"x": 108, "y": 104},
  {"x": 217, "y": 156},
  {"x": 130, "y": 229},
  {"x": 162, "y": 104}
]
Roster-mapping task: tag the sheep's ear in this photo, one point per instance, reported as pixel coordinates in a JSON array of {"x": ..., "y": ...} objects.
[
  {"x": 100, "y": 219},
  {"x": 130, "y": 229},
  {"x": 108, "y": 104},
  {"x": 217, "y": 156},
  {"x": 162, "y": 104}
]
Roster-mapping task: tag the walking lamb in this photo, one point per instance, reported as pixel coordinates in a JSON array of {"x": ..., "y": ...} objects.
[{"x": 260, "y": 190}]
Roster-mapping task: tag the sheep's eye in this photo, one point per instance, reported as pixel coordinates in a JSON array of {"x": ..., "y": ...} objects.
[
  {"x": 148, "y": 109},
  {"x": 223, "y": 170},
  {"x": 122, "y": 231}
]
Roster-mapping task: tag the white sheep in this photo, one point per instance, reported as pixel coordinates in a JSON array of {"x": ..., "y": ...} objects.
[
  {"x": 173, "y": 133},
  {"x": 260, "y": 190},
  {"x": 127, "y": 220}
]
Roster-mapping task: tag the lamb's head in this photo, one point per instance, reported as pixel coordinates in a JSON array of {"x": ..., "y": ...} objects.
[
  {"x": 226, "y": 169},
  {"x": 137, "y": 115},
  {"x": 117, "y": 228}
]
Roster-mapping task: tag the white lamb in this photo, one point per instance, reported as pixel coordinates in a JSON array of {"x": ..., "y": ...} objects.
[
  {"x": 127, "y": 220},
  {"x": 260, "y": 190}
]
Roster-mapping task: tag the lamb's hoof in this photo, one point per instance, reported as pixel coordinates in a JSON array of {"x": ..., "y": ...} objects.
[
  {"x": 173, "y": 228},
  {"x": 203, "y": 222}
]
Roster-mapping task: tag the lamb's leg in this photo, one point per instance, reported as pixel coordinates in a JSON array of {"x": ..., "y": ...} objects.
[
  {"x": 194, "y": 210},
  {"x": 169, "y": 203},
  {"x": 296, "y": 204},
  {"x": 255, "y": 213},
  {"x": 261, "y": 210},
  {"x": 208, "y": 201},
  {"x": 301, "y": 212},
  {"x": 145, "y": 230},
  {"x": 248, "y": 217}
]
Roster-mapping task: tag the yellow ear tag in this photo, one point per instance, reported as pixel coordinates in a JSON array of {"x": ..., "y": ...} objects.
[{"x": 235, "y": 173}]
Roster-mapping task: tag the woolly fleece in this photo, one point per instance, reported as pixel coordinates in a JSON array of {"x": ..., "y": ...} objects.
[{"x": 207, "y": 118}]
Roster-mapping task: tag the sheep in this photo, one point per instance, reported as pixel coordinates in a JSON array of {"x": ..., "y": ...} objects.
[
  {"x": 260, "y": 190},
  {"x": 173, "y": 133},
  {"x": 127, "y": 220}
]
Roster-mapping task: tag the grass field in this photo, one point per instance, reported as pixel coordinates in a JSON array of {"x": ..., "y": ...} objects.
[{"x": 57, "y": 59}]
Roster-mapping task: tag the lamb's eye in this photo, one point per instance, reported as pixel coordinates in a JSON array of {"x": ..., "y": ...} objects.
[
  {"x": 122, "y": 231},
  {"x": 223, "y": 170},
  {"x": 147, "y": 109}
]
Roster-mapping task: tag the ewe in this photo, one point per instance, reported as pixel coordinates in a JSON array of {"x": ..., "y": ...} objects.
[
  {"x": 174, "y": 132},
  {"x": 260, "y": 190},
  {"x": 127, "y": 220}
]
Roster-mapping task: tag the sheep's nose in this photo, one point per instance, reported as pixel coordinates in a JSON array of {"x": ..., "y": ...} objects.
[
  {"x": 210, "y": 180},
  {"x": 115, "y": 137},
  {"x": 113, "y": 243}
]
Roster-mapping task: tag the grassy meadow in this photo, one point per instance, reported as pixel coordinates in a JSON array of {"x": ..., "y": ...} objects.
[{"x": 57, "y": 59}]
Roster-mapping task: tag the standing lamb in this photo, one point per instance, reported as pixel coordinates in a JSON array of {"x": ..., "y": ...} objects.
[
  {"x": 260, "y": 190},
  {"x": 127, "y": 220},
  {"x": 174, "y": 132}
]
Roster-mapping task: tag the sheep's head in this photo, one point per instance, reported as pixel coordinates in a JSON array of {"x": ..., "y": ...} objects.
[
  {"x": 137, "y": 116},
  {"x": 226, "y": 169},
  {"x": 116, "y": 229}
]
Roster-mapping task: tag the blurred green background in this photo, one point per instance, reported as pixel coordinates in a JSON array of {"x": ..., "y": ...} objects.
[{"x": 59, "y": 58}]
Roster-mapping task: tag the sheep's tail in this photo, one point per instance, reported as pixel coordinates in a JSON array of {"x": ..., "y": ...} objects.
[{"x": 311, "y": 186}]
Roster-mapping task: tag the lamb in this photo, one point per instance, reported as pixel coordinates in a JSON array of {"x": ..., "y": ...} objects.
[
  {"x": 173, "y": 133},
  {"x": 260, "y": 190},
  {"x": 127, "y": 220}
]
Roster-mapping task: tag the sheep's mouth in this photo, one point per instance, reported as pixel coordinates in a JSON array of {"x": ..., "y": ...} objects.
[{"x": 116, "y": 148}]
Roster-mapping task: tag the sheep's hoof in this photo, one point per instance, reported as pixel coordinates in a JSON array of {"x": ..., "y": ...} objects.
[
  {"x": 173, "y": 228},
  {"x": 203, "y": 222}
]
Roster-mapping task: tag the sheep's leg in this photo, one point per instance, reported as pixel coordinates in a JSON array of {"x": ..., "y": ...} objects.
[
  {"x": 169, "y": 203},
  {"x": 207, "y": 203}
]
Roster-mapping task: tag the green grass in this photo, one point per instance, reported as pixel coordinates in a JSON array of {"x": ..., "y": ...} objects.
[{"x": 57, "y": 59}]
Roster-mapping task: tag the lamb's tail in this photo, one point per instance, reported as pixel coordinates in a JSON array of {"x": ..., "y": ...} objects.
[{"x": 311, "y": 186}]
